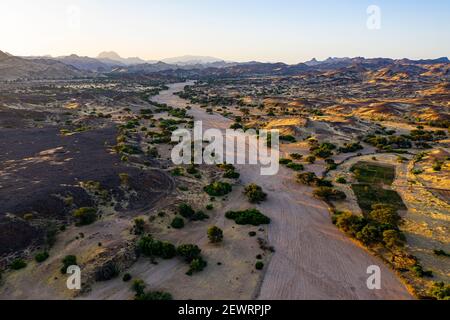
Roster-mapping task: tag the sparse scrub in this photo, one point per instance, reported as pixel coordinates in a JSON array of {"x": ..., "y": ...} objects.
[
  {"x": 85, "y": 216},
  {"x": 248, "y": 217},
  {"x": 254, "y": 193},
  {"x": 218, "y": 189},
  {"x": 215, "y": 234}
]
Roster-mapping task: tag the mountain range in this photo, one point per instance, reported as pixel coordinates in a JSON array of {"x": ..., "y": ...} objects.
[{"x": 74, "y": 66}]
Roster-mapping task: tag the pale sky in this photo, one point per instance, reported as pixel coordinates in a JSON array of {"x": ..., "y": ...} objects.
[{"x": 238, "y": 30}]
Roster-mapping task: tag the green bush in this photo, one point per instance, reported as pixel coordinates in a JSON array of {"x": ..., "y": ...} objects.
[
  {"x": 215, "y": 234},
  {"x": 310, "y": 159},
  {"x": 189, "y": 252},
  {"x": 295, "y": 166},
  {"x": 154, "y": 296},
  {"x": 85, "y": 216},
  {"x": 231, "y": 174},
  {"x": 440, "y": 291},
  {"x": 419, "y": 272},
  {"x": 441, "y": 253},
  {"x": 259, "y": 265},
  {"x": 285, "y": 161},
  {"x": 328, "y": 193},
  {"x": 254, "y": 193},
  {"x": 18, "y": 264},
  {"x": 138, "y": 287},
  {"x": 384, "y": 214},
  {"x": 199, "y": 216},
  {"x": 177, "y": 223},
  {"x": 393, "y": 239},
  {"x": 155, "y": 248},
  {"x": 288, "y": 138},
  {"x": 209, "y": 207},
  {"x": 308, "y": 178},
  {"x": 186, "y": 211},
  {"x": 126, "y": 277},
  {"x": 218, "y": 189},
  {"x": 248, "y": 217},
  {"x": 296, "y": 156},
  {"x": 139, "y": 226},
  {"x": 196, "y": 265},
  {"x": 41, "y": 256},
  {"x": 67, "y": 262},
  {"x": 341, "y": 180}
]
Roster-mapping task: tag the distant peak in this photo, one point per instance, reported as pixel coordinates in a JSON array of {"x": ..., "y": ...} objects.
[
  {"x": 3, "y": 55},
  {"x": 109, "y": 55}
]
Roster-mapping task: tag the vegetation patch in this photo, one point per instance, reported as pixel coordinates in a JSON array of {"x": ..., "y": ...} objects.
[
  {"x": 368, "y": 195},
  {"x": 255, "y": 193},
  {"x": 370, "y": 173},
  {"x": 248, "y": 217},
  {"x": 218, "y": 189}
]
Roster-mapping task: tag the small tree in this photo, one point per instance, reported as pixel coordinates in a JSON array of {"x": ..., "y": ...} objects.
[
  {"x": 85, "y": 216},
  {"x": 18, "y": 264},
  {"x": 186, "y": 210},
  {"x": 139, "y": 226},
  {"x": 254, "y": 193},
  {"x": 215, "y": 234},
  {"x": 67, "y": 262},
  {"x": 138, "y": 287},
  {"x": 177, "y": 223},
  {"x": 189, "y": 252}
]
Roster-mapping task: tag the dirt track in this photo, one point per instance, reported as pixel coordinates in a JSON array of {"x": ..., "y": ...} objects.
[{"x": 313, "y": 259}]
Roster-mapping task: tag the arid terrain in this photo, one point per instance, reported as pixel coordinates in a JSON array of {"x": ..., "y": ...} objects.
[{"x": 87, "y": 179}]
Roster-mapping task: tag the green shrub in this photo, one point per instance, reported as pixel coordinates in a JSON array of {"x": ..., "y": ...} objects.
[
  {"x": 18, "y": 264},
  {"x": 310, "y": 159},
  {"x": 209, "y": 207},
  {"x": 254, "y": 193},
  {"x": 215, "y": 234},
  {"x": 440, "y": 291},
  {"x": 85, "y": 216},
  {"x": 259, "y": 265},
  {"x": 67, "y": 262},
  {"x": 41, "y": 256},
  {"x": 419, "y": 272},
  {"x": 177, "y": 172},
  {"x": 154, "y": 296},
  {"x": 231, "y": 174},
  {"x": 328, "y": 193},
  {"x": 295, "y": 166},
  {"x": 177, "y": 223},
  {"x": 155, "y": 248},
  {"x": 341, "y": 180},
  {"x": 196, "y": 265},
  {"x": 189, "y": 252},
  {"x": 296, "y": 156},
  {"x": 248, "y": 217},
  {"x": 139, "y": 226},
  {"x": 199, "y": 216},
  {"x": 138, "y": 287},
  {"x": 384, "y": 214},
  {"x": 218, "y": 189},
  {"x": 288, "y": 138},
  {"x": 186, "y": 211},
  {"x": 393, "y": 239},
  {"x": 308, "y": 178},
  {"x": 285, "y": 161},
  {"x": 441, "y": 253},
  {"x": 126, "y": 277}
]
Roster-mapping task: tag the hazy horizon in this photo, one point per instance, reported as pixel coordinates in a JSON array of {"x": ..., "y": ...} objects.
[{"x": 266, "y": 31}]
